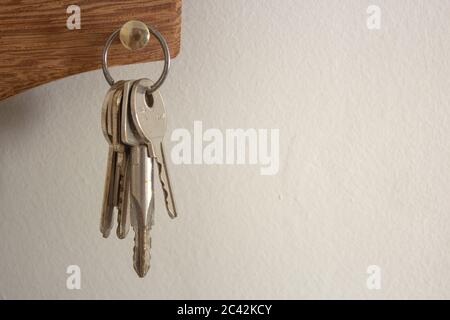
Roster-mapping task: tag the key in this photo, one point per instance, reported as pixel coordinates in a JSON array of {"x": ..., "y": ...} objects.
[
  {"x": 121, "y": 187},
  {"x": 142, "y": 206},
  {"x": 150, "y": 123},
  {"x": 106, "y": 220},
  {"x": 117, "y": 146},
  {"x": 126, "y": 139}
]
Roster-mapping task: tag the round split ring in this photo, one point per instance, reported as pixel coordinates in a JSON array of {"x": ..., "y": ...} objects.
[{"x": 164, "y": 46}]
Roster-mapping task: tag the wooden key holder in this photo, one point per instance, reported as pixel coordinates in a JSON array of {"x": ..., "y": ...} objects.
[{"x": 37, "y": 44}]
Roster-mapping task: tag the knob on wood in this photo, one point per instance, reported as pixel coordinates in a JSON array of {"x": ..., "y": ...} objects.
[{"x": 134, "y": 35}]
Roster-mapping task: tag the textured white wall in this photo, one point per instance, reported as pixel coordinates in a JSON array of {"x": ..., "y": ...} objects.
[{"x": 364, "y": 176}]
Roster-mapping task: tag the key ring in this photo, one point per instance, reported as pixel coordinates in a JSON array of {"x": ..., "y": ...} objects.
[{"x": 164, "y": 46}]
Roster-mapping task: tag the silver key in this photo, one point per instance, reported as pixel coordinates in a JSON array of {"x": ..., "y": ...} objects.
[
  {"x": 124, "y": 198},
  {"x": 121, "y": 199},
  {"x": 150, "y": 123},
  {"x": 106, "y": 220},
  {"x": 123, "y": 217},
  {"x": 141, "y": 191}
]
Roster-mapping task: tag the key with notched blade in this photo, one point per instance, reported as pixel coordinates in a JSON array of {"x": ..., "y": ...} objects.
[
  {"x": 106, "y": 220},
  {"x": 123, "y": 159},
  {"x": 142, "y": 205},
  {"x": 122, "y": 163},
  {"x": 150, "y": 123}
]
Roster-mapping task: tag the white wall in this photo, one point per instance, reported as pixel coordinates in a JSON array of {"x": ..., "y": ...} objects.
[{"x": 364, "y": 176}]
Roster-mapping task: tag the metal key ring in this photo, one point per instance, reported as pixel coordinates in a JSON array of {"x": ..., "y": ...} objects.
[{"x": 164, "y": 46}]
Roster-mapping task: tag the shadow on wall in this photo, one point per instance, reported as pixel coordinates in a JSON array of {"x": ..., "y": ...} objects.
[
  {"x": 18, "y": 115},
  {"x": 20, "y": 118}
]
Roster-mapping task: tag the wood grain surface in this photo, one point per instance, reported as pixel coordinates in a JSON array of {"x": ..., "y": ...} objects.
[{"x": 36, "y": 46}]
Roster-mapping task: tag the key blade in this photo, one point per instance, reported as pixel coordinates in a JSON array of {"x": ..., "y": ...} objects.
[
  {"x": 164, "y": 178},
  {"x": 141, "y": 182},
  {"x": 142, "y": 207},
  {"x": 106, "y": 220},
  {"x": 118, "y": 147},
  {"x": 123, "y": 218},
  {"x": 141, "y": 251},
  {"x": 121, "y": 197}
]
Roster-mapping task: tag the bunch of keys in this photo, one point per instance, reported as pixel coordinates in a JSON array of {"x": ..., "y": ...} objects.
[{"x": 133, "y": 121}]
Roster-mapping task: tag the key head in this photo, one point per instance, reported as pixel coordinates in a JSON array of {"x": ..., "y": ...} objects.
[
  {"x": 105, "y": 110},
  {"x": 148, "y": 112},
  {"x": 115, "y": 108},
  {"x": 104, "y": 122},
  {"x": 127, "y": 128}
]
